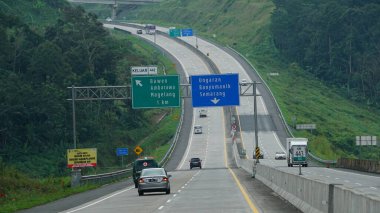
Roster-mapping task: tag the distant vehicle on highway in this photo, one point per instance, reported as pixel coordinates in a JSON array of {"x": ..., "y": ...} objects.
[
  {"x": 154, "y": 180},
  {"x": 202, "y": 113},
  {"x": 108, "y": 19},
  {"x": 197, "y": 129},
  {"x": 280, "y": 156},
  {"x": 139, "y": 165},
  {"x": 150, "y": 29},
  {"x": 139, "y": 31},
  {"x": 296, "y": 149},
  {"x": 195, "y": 162},
  {"x": 244, "y": 82}
]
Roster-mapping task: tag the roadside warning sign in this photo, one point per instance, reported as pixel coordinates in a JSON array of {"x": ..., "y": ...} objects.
[{"x": 138, "y": 150}]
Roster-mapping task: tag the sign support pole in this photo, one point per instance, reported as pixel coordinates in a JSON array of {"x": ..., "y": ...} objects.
[
  {"x": 74, "y": 122},
  {"x": 300, "y": 169},
  {"x": 255, "y": 118}
]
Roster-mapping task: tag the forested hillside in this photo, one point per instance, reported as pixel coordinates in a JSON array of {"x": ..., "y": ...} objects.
[
  {"x": 337, "y": 41},
  {"x": 336, "y": 88},
  {"x": 37, "y": 64}
]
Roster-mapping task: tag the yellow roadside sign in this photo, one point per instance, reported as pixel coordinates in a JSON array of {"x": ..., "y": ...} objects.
[
  {"x": 138, "y": 150},
  {"x": 257, "y": 152},
  {"x": 81, "y": 157}
]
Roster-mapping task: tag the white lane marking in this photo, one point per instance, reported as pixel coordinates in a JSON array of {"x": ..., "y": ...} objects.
[
  {"x": 179, "y": 191},
  {"x": 190, "y": 142},
  {"x": 263, "y": 104},
  {"x": 328, "y": 176},
  {"x": 182, "y": 187},
  {"x": 161, "y": 207},
  {"x": 101, "y": 200},
  {"x": 278, "y": 141},
  {"x": 174, "y": 195},
  {"x": 358, "y": 184},
  {"x": 349, "y": 173},
  {"x": 347, "y": 181},
  {"x": 372, "y": 188},
  {"x": 337, "y": 178},
  {"x": 168, "y": 201}
]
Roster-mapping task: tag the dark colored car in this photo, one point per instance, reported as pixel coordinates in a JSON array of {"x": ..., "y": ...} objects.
[
  {"x": 202, "y": 113},
  {"x": 139, "y": 31},
  {"x": 154, "y": 180},
  {"x": 139, "y": 165},
  {"x": 195, "y": 162}
]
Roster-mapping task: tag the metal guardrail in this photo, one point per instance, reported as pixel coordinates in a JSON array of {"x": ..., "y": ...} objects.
[
  {"x": 279, "y": 109},
  {"x": 108, "y": 176},
  {"x": 175, "y": 139},
  {"x": 125, "y": 172}
]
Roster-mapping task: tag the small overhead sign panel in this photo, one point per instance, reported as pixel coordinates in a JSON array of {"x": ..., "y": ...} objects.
[
  {"x": 144, "y": 70},
  {"x": 215, "y": 90}
]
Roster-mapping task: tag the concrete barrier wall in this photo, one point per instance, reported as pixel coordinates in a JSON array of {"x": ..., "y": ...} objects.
[
  {"x": 347, "y": 201},
  {"x": 307, "y": 195},
  {"x": 311, "y": 195},
  {"x": 360, "y": 165}
]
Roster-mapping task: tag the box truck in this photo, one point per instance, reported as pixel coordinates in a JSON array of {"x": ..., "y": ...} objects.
[{"x": 296, "y": 149}]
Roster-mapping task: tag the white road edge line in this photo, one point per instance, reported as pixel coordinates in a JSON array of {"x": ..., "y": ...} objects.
[{"x": 101, "y": 200}]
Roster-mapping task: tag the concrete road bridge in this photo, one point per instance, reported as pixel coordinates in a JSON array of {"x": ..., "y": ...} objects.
[{"x": 115, "y": 2}]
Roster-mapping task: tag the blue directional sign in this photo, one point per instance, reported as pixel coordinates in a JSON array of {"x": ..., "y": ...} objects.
[
  {"x": 215, "y": 90},
  {"x": 121, "y": 151},
  {"x": 187, "y": 32}
]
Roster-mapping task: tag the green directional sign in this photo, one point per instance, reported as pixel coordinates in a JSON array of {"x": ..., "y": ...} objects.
[
  {"x": 155, "y": 91},
  {"x": 175, "y": 32}
]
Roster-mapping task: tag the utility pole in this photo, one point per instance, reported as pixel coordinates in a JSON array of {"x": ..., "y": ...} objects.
[{"x": 74, "y": 123}]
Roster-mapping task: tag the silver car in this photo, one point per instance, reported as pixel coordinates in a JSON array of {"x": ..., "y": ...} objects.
[
  {"x": 154, "y": 180},
  {"x": 197, "y": 129},
  {"x": 280, "y": 156}
]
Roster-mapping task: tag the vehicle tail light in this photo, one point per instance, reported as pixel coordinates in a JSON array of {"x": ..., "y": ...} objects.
[
  {"x": 165, "y": 179},
  {"x": 141, "y": 180}
]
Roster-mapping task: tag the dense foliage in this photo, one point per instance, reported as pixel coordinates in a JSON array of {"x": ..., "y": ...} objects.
[
  {"x": 35, "y": 71},
  {"x": 338, "y": 41},
  {"x": 247, "y": 27}
]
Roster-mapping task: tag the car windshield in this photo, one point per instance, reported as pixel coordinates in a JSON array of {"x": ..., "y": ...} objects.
[
  {"x": 195, "y": 159},
  {"x": 153, "y": 172},
  {"x": 197, "y": 127}
]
